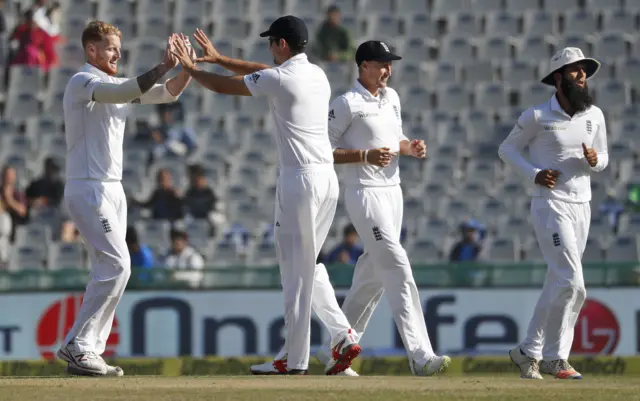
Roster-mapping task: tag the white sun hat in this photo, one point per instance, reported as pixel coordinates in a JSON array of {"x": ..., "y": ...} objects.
[{"x": 566, "y": 56}]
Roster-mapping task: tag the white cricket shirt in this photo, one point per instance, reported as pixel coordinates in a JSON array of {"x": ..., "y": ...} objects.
[
  {"x": 359, "y": 120},
  {"x": 299, "y": 95},
  {"x": 555, "y": 142},
  {"x": 94, "y": 131}
]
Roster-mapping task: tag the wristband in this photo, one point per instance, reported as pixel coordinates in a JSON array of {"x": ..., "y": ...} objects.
[{"x": 365, "y": 156}]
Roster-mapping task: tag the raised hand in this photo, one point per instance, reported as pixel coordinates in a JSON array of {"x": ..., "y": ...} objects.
[
  {"x": 187, "y": 42},
  {"x": 591, "y": 155},
  {"x": 169, "y": 59},
  {"x": 418, "y": 149},
  {"x": 380, "y": 157},
  {"x": 210, "y": 54},
  {"x": 181, "y": 52}
]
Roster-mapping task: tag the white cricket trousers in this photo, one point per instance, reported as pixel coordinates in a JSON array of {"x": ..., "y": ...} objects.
[
  {"x": 376, "y": 213},
  {"x": 561, "y": 229},
  {"x": 306, "y": 200},
  {"x": 99, "y": 211}
]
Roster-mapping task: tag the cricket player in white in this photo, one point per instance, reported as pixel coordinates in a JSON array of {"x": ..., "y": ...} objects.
[
  {"x": 365, "y": 127},
  {"x": 95, "y": 106},
  {"x": 307, "y": 190},
  {"x": 567, "y": 141}
]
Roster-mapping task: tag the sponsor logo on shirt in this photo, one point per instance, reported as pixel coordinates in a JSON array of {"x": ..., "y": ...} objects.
[
  {"x": 553, "y": 127},
  {"x": 255, "y": 77},
  {"x": 365, "y": 115}
]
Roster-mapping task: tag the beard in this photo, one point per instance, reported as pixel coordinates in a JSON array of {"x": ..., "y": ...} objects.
[{"x": 579, "y": 98}]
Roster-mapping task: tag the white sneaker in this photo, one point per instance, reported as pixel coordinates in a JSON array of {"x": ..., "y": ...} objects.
[
  {"x": 529, "y": 368},
  {"x": 86, "y": 363},
  {"x": 435, "y": 365},
  {"x": 342, "y": 354},
  {"x": 275, "y": 367},
  {"x": 324, "y": 356},
  {"x": 560, "y": 369}
]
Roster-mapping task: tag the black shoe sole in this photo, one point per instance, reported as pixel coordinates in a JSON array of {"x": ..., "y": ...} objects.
[{"x": 79, "y": 372}]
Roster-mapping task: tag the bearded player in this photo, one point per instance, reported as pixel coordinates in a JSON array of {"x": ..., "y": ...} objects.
[{"x": 567, "y": 141}]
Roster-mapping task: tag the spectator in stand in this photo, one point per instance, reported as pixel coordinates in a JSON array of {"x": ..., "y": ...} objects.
[
  {"x": 12, "y": 198},
  {"x": 141, "y": 255},
  {"x": 46, "y": 191},
  {"x": 30, "y": 43},
  {"x": 6, "y": 229},
  {"x": 184, "y": 258},
  {"x": 469, "y": 247},
  {"x": 172, "y": 137},
  {"x": 348, "y": 251},
  {"x": 611, "y": 208},
  {"x": 199, "y": 200},
  {"x": 165, "y": 202},
  {"x": 333, "y": 41}
]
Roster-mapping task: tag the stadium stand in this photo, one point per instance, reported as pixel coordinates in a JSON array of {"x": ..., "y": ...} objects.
[{"x": 470, "y": 67}]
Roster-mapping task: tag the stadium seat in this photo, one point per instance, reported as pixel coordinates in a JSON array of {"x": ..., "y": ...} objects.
[
  {"x": 479, "y": 72},
  {"x": 502, "y": 23},
  {"x": 264, "y": 254},
  {"x": 613, "y": 93},
  {"x": 539, "y": 23},
  {"x": 519, "y": 6},
  {"x": 225, "y": 255},
  {"x": 424, "y": 251},
  {"x": 66, "y": 256},
  {"x": 604, "y": 4},
  {"x": 629, "y": 70},
  {"x": 415, "y": 51},
  {"x": 77, "y": 8},
  {"x": 492, "y": 96},
  {"x": 480, "y": 7},
  {"x": 579, "y": 22},
  {"x": 229, "y": 8},
  {"x": 110, "y": 10},
  {"x": 534, "y": 94},
  {"x": 453, "y": 97},
  {"x": 624, "y": 248},
  {"x": 376, "y": 6},
  {"x": 504, "y": 249},
  {"x": 456, "y": 49},
  {"x": 443, "y": 8},
  {"x": 463, "y": 23},
  {"x": 533, "y": 49},
  {"x": 593, "y": 251},
  {"x": 515, "y": 73},
  {"x": 27, "y": 258},
  {"x": 421, "y": 26},
  {"x": 412, "y": 7},
  {"x": 611, "y": 46},
  {"x": 618, "y": 20},
  {"x": 560, "y": 6}
]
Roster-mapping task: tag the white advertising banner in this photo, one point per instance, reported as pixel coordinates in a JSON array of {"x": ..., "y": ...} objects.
[{"x": 236, "y": 323}]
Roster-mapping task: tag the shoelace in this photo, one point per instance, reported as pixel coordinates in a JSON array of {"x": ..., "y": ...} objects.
[
  {"x": 561, "y": 365},
  {"x": 92, "y": 355},
  {"x": 534, "y": 366}
]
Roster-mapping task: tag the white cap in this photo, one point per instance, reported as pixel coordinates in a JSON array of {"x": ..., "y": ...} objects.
[{"x": 566, "y": 56}]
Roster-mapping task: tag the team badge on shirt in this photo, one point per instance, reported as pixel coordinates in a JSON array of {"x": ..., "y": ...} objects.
[
  {"x": 332, "y": 115},
  {"x": 589, "y": 127},
  {"x": 255, "y": 77}
]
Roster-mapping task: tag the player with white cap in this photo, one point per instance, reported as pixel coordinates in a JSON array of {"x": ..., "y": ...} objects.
[
  {"x": 307, "y": 189},
  {"x": 365, "y": 127},
  {"x": 96, "y": 105},
  {"x": 567, "y": 141}
]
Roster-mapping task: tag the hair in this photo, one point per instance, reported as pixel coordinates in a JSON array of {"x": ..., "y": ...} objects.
[
  {"x": 131, "y": 237},
  {"x": 96, "y": 31},
  {"x": 348, "y": 230}
]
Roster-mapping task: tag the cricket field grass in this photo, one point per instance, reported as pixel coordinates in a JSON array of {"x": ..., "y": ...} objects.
[{"x": 219, "y": 388}]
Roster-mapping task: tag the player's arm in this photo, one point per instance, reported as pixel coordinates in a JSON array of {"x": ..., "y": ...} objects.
[
  {"x": 340, "y": 119},
  {"x": 211, "y": 55},
  {"x": 168, "y": 92},
  {"x": 89, "y": 87},
  {"x": 511, "y": 149},
  {"x": 601, "y": 147}
]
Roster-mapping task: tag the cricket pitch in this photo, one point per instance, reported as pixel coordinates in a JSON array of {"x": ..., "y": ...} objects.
[{"x": 219, "y": 388}]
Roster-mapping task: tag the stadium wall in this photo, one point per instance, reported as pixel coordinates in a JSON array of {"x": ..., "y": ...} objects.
[{"x": 167, "y": 324}]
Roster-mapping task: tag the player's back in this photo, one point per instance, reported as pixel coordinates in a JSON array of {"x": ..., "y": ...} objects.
[
  {"x": 94, "y": 132},
  {"x": 300, "y": 111}
]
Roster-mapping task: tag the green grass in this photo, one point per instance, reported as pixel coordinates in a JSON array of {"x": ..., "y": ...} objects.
[{"x": 316, "y": 388}]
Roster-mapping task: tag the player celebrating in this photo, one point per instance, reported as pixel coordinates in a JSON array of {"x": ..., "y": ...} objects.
[
  {"x": 567, "y": 140},
  {"x": 307, "y": 189},
  {"x": 365, "y": 128},
  {"x": 95, "y": 109}
]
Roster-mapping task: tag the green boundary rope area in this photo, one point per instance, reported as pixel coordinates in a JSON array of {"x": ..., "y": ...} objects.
[{"x": 392, "y": 366}]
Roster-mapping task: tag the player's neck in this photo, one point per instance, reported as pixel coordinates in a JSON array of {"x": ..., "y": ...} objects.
[
  {"x": 372, "y": 88},
  {"x": 564, "y": 103}
]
